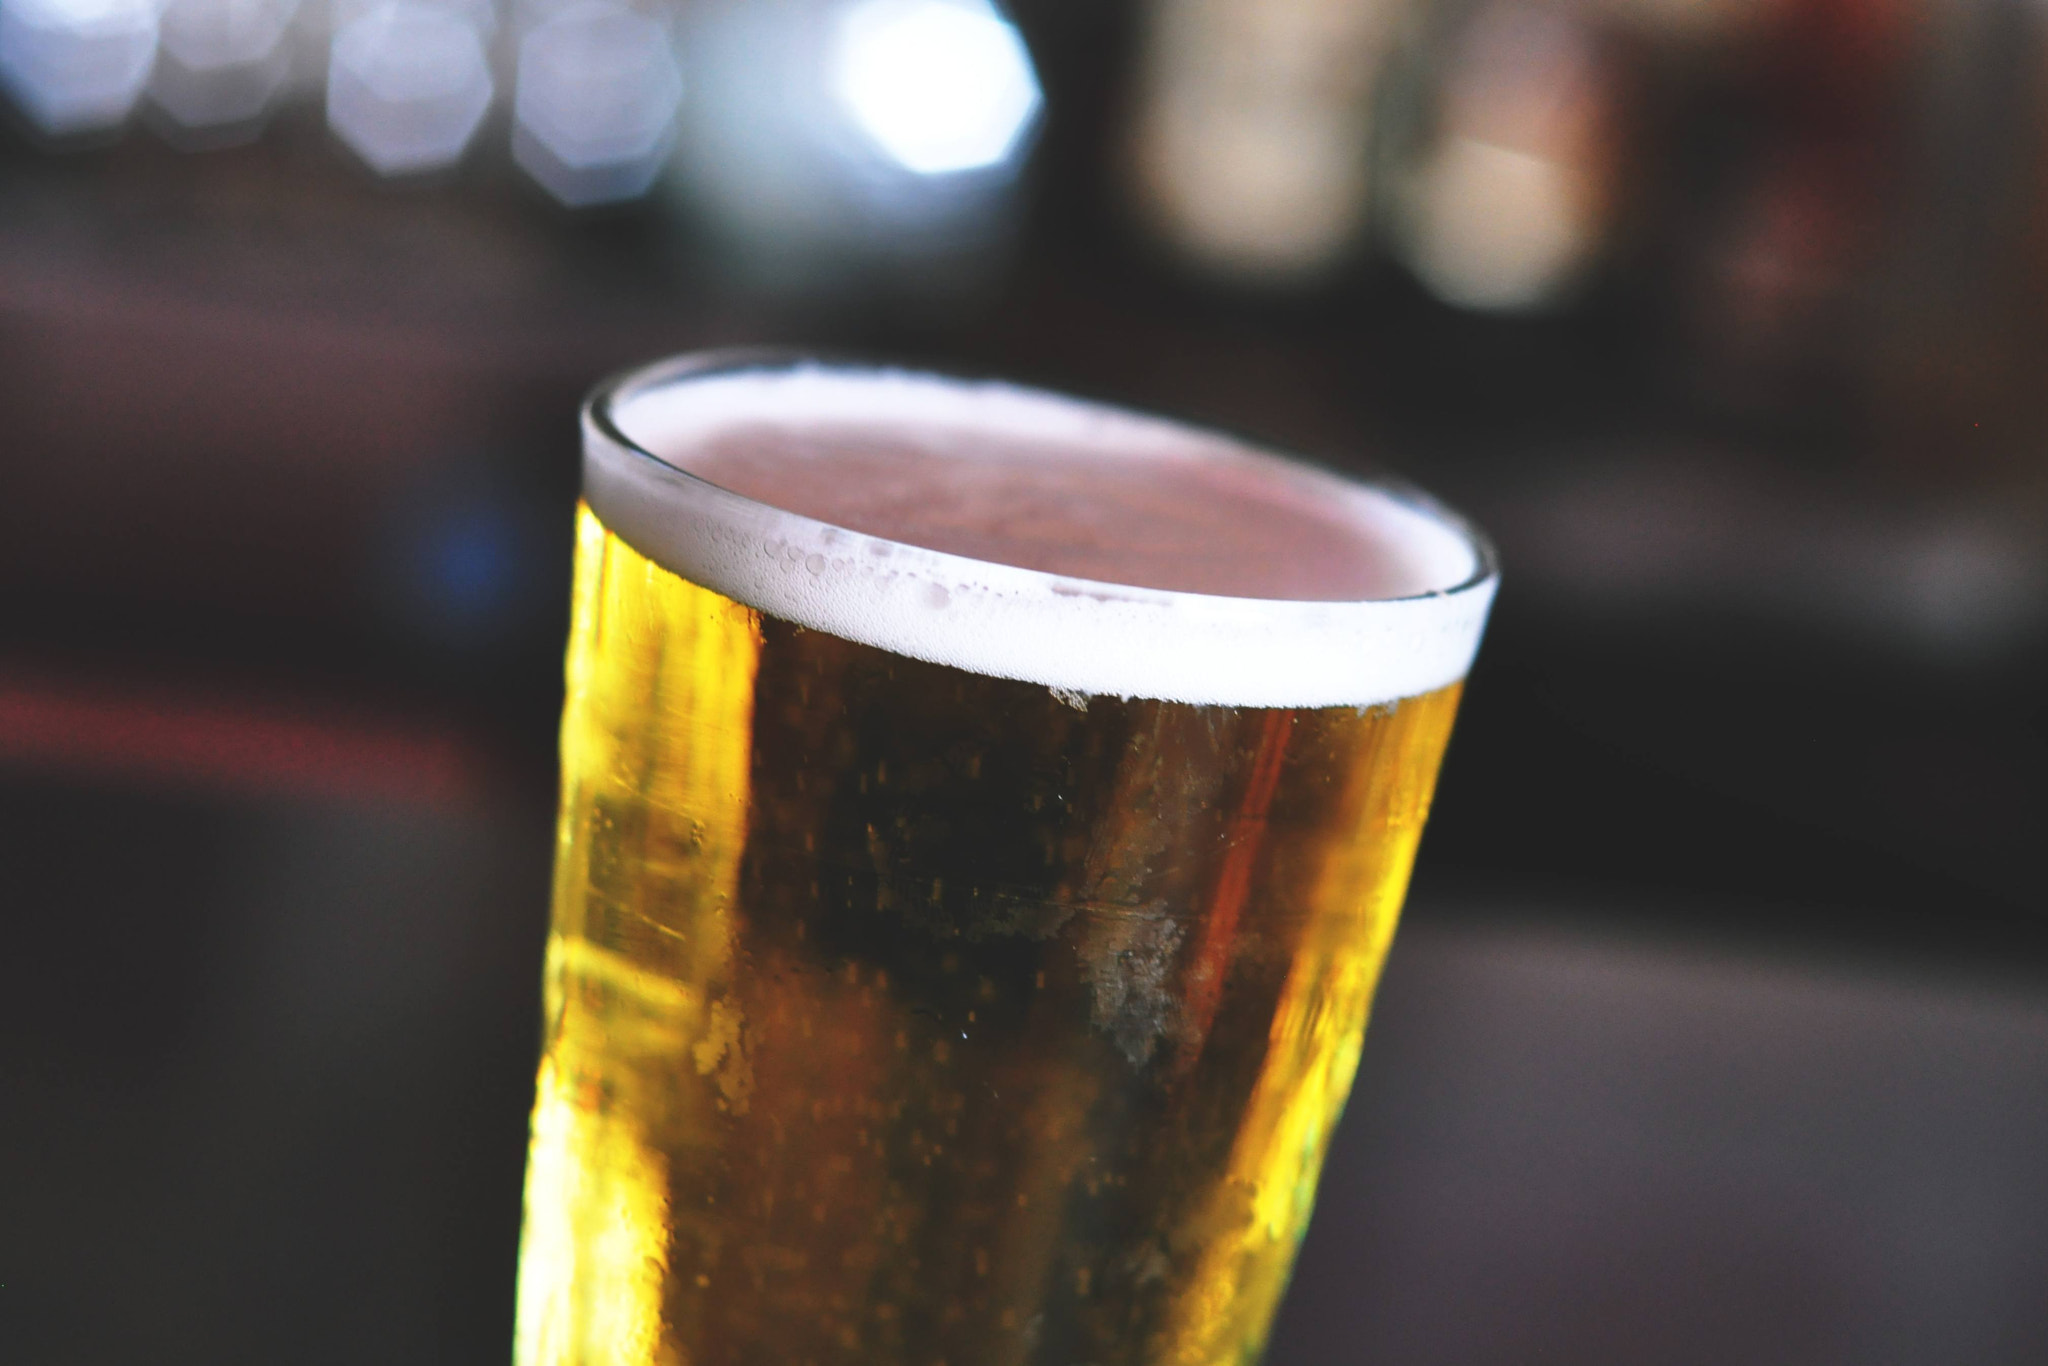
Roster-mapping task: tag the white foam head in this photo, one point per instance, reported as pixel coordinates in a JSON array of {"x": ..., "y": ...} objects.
[{"x": 1402, "y": 616}]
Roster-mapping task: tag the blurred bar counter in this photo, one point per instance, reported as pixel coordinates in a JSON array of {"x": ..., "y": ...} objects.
[{"x": 1717, "y": 1029}]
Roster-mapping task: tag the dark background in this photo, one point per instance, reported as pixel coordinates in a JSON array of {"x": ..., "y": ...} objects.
[{"x": 1719, "y": 1027}]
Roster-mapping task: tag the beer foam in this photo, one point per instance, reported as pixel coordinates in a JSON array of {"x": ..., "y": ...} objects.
[{"x": 1024, "y": 535}]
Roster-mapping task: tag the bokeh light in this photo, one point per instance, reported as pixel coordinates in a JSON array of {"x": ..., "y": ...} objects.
[
  {"x": 221, "y": 63},
  {"x": 1507, "y": 208},
  {"x": 831, "y": 143},
  {"x": 76, "y": 66},
  {"x": 1253, "y": 125},
  {"x": 407, "y": 86},
  {"x": 596, "y": 101},
  {"x": 481, "y": 15},
  {"x": 937, "y": 85}
]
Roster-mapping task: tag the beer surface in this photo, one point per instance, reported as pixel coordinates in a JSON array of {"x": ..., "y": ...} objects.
[
  {"x": 1026, "y": 536},
  {"x": 902, "y": 1014},
  {"x": 1167, "y": 519}
]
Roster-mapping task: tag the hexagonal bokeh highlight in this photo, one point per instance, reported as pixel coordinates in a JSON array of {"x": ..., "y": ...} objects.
[
  {"x": 482, "y": 15},
  {"x": 937, "y": 86},
  {"x": 76, "y": 66},
  {"x": 598, "y": 90},
  {"x": 407, "y": 85},
  {"x": 220, "y": 63}
]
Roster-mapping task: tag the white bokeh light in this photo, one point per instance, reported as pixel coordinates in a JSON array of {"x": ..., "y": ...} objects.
[
  {"x": 598, "y": 90},
  {"x": 407, "y": 85},
  {"x": 1507, "y": 208},
  {"x": 76, "y": 66},
  {"x": 1493, "y": 228},
  {"x": 937, "y": 85},
  {"x": 221, "y": 62},
  {"x": 482, "y": 15}
]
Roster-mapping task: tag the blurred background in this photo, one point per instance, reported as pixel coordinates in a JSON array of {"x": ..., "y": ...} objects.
[{"x": 1719, "y": 1028}]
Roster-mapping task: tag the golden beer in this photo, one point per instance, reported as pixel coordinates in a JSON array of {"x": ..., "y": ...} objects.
[{"x": 909, "y": 1003}]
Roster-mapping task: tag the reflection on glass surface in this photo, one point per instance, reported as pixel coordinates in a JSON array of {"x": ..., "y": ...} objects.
[
  {"x": 407, "y": 85},
  {"x": 222, "y": 62},
  {"x": 937, "y": 85},
  {"x": 75, "y": 66},
  {"x": 597, "y": 96}
]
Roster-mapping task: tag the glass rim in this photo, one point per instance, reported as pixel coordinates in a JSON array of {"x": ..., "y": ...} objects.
[{"x": 715, "y": 534}]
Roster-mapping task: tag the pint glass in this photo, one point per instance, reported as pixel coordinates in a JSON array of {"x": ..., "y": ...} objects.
[{"x": 984, "y": 815}]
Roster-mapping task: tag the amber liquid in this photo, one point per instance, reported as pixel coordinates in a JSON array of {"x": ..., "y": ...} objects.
[{"x": 897, "y": 1014}]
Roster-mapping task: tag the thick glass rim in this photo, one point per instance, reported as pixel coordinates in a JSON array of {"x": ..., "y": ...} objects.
[{"x": 744, "y": 549}]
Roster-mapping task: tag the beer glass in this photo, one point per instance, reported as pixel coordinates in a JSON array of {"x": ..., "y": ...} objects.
[{"x": 984, "y": 815}]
